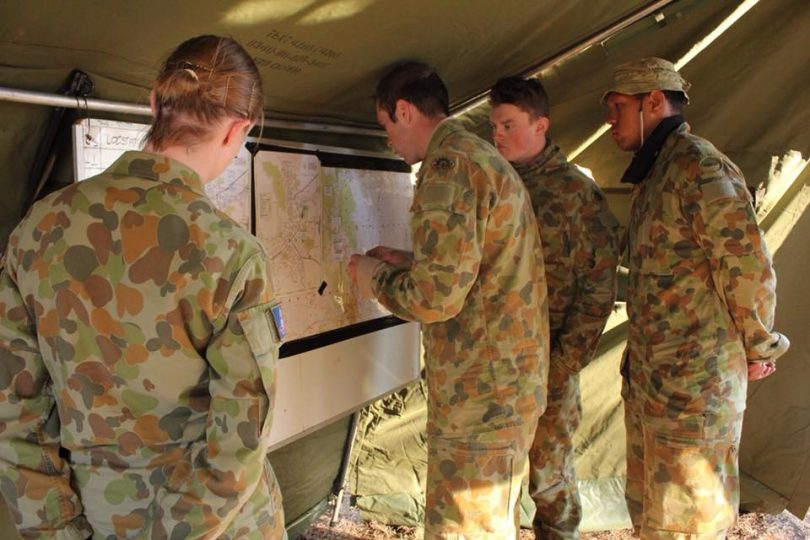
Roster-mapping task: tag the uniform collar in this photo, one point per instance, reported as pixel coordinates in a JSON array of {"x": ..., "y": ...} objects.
[
  {"x": 548, "y": 160},
  {"x": 444, "y": 129},
  {"x": 158, "y": 168},
  {"x": 645, "y": 158}
]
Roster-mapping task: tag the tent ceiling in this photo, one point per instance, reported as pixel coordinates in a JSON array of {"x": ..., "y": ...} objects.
[{"x": 318, "y": 58}]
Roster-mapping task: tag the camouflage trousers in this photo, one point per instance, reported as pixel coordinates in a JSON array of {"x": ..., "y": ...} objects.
[
  {"x": 552, "y": 479},
  {"x": 474, "y": 482},
  {"x": 116, "y": 502},
  {"x": 682, "y": 475}
]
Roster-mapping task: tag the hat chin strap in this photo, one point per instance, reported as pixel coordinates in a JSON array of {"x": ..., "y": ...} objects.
[{"x": 641, "y": 120}]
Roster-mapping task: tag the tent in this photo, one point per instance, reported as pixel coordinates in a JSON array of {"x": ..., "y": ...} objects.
[{"x": 320, "y": 59}]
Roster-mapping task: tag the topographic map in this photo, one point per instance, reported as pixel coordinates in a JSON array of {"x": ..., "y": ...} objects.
[
  {"x": 98, "y": 143},
  {"x": 310, "y": 219}
]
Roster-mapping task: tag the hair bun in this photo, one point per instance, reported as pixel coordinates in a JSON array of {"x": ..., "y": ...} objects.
[{"x": 206, "y": 79}]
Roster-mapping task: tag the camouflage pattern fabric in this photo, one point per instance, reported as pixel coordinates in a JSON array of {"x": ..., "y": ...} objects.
[
  {"x": 474, "y": 484},
  {"x": 137, "y": 359},
  {"x": 701, "y": 301},
  {"x": 477, "y": 286},
  {"x": 552, "y": 477},
  {"x": 645, "y": 75},
  {"x": 682, "y": 477},
  {"x": 580, "y": 248}
]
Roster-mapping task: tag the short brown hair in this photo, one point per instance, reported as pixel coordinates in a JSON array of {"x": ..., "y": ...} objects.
[
  {"x": 416, "y": 83},
  {"x": 206, "y": 79},
  {"x": 526, "y": 94}
]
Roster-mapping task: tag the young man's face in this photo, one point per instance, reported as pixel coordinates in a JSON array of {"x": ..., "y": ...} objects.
[
  {"x": 516, "y": 135},
  {"x": 400, "y": 136},
  {"x": 625, "y": 126}
]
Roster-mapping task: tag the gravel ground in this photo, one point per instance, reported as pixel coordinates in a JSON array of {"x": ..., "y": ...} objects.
[{"x": 784, "y": 526}]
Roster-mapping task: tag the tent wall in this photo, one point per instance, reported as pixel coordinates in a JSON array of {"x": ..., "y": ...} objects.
[{"x": 776, "y": 434}]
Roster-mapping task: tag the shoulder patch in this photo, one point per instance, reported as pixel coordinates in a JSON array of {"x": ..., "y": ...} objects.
[
  {"x": 443, "y": 166},
  {"x": 710, "y": 167},
  {"x": 718, "y": 189},
  {"x": 437, "y": 195}
]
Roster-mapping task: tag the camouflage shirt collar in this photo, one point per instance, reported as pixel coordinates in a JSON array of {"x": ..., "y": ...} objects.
[
  {"x": 645, "y": 158},
  {"x": 443, "y": 129},
  {"x": 158, "y": 168},
  {"x": 550, "y": 159}
]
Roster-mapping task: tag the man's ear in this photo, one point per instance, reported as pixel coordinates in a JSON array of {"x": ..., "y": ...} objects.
[
  {"x": 658, "y": 101},
  {"x": 153, "y": 101},
  {"x": 404, "y": 111},
  {"x": 238, "y": 129},
  {"x": 542, "y": 124}
]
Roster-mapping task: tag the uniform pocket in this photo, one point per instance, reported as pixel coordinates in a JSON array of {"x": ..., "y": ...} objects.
[
  {"x": 470, "y": 487},
  {"x": 259, "y": 329},
  {"x": 692, "y": 478}
]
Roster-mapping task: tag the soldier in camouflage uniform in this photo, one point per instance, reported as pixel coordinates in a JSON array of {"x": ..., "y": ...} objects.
[
  {"x": 701, "y": 300},
  {"x": 137, "y": 343},
  {"x": 475, "y": 281},
  {"x": 579, "y": 236}
]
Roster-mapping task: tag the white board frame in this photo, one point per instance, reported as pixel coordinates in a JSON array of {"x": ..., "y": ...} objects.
[{"x": 315, "y": 388}]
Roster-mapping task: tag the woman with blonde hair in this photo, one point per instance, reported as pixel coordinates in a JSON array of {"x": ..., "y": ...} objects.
[{"x": 137, "y": 334}]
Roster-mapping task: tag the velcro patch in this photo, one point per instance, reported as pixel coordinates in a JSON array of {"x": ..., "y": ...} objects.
[
  {"x": 436, "y": 195},
  {"x": 718, "y": 189}
]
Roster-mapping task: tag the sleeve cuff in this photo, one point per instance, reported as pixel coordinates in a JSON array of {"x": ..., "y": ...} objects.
[
  {"x": 366, "y": 270},
  {"x": 774, "y": 351}
]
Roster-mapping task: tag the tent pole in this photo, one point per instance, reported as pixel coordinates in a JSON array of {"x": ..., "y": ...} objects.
[
  {"x": 56, "y": 100},
  {"x": 481, "y": 98},
  {"x": 344, "y": 468}
]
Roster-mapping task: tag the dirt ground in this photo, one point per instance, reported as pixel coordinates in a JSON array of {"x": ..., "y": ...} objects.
[{"x": 784, "y": 526}]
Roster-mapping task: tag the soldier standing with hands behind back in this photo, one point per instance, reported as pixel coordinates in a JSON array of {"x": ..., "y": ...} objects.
[
  {"x": 701, "y": 298},
  {"x": 580, "y": 249},
  {"x": 475, "y": 281}
]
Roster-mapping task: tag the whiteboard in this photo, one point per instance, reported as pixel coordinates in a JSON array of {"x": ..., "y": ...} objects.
[{"x": 317, "y": 387}]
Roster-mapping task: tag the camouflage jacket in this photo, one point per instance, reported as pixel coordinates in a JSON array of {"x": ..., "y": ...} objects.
[
  {"x": 580, "y": 247},
  {"x": 477, "y": 284},
  {"x": 701, "y": 290},
  {"x": 138, "y": 361}
]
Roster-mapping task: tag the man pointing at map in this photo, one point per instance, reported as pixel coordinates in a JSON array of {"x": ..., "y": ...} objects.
[{"x": 475, "y": 280}]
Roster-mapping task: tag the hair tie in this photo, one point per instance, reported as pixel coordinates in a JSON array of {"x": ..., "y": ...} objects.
[{"x": 192, "y": 73}]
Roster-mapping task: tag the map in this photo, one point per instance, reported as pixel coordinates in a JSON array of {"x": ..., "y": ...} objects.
[
  {"x": 310, "y": 219},
  {"x": 98, "y": 143}
]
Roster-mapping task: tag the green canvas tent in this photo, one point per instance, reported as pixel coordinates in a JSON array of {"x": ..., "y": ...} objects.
[{"x": 748, "y": 63}]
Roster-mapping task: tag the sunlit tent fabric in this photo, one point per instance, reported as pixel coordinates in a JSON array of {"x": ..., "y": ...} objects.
[{"x": 320, "y": 60}]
